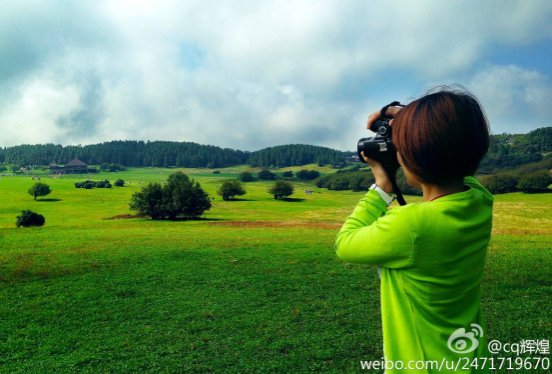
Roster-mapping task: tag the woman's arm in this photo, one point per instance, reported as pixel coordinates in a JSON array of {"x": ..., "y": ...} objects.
[{"x": 372, "y": 235}]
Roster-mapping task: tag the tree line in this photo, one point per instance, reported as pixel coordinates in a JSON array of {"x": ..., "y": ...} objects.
[
  {"x": 170, "y": 154},
  {"x": 508, "y": 151},
  {"x": 529, "y": 178}
]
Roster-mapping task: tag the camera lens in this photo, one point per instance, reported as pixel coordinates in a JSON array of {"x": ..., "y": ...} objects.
[{"x": 382, "y": 130}]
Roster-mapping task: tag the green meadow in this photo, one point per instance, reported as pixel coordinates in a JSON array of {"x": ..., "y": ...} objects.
[{"x": 254, "y": 287}]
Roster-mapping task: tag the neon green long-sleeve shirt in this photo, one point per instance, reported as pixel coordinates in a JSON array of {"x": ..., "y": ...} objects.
[{"x": 432, "y": 256}]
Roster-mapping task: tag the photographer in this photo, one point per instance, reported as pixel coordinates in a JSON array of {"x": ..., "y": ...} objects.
[{"x": 431, "y": 254}]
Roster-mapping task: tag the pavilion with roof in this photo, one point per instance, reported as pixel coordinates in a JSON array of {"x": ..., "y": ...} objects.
[{"x": 73, "y": 167}]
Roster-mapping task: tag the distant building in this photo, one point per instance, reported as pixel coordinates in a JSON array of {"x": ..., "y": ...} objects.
[
  {"x": 55, "y": 168},
  {"x": 352, "y": 159},
  {"x": 74, "y": 167}
]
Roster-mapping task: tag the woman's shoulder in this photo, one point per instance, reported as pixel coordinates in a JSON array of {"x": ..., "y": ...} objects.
[{"x": 472, "y": 182}]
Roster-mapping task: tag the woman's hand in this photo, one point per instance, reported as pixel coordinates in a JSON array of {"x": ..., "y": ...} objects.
[
  {"x": 382, "y": 179},
  {"x": 390, "y": 112}
]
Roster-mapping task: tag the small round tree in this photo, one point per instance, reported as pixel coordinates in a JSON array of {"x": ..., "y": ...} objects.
[
  {"x": 39, "y": 189},
  {"x": 308, "y": 174},
  {"x": 180, "y": 197},
  {"x": 230, "y": 189},
  {"x": 119, "y": 183},
  {"x": 281, "y": 189},
  {"x": 149, "y": 201},
  {"x": 266, "y": 175},
  {"x": 246, "y": 177},
  {"x": 28, "y": 219}
]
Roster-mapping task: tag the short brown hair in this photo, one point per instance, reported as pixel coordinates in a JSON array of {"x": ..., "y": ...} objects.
[{"x": 442, "y": 136}]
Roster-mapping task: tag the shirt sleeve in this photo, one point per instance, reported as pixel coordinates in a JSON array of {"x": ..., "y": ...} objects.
[{"x": 373, "y": 235}]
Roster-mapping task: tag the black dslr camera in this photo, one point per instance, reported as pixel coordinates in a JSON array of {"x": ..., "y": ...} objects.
[{"x": 380, "y": 147}]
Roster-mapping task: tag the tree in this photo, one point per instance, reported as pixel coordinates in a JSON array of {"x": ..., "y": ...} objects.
[
  {"x": 287, "y": 174},
  {"x": 185, "y": 197},
  {"x": 535, "y": 182},
  {"x": 308, "y": 174},
  {"x": 180, "y": 197},
  {"x": 246, "y": 177},
  {"x": 266, "y": 175},
  {"x": 149, "y": 201},
  {"x": 28, "y": 219},
  {"x": 231, "y": 189},
  {"x": 39, "y": 189},
  {"x": 281, "y": 189},
  {"x": 119, "y": 183}
]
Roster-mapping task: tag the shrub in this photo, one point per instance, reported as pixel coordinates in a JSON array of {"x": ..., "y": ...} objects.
[
  {"x": 321, "y": 182},
  {"x": 216, "y": 172},
  {"x": 180, "y": 197},
  {"x": 535, "y": 182},
  {"x": 112, "y": 167},
  {"x": 119, "y": 183},
  {"x": 339, "y": 184},
  {"x": 246, "y": 177},
  {"x": 281, "y": 189},
  {"x": 39, "y": 189},
  {"x": 346, "y": 180},
  {"x": 308, "y": 174},
  {"x": 287, "y": 174},
  {"x": 500, "y": 183},
  {"x": 28, "y": 219},
  {"x": 91, "y": 184},
  {"x": 266, "y": 175},
  {"x": 231, "y": 189},
  {"x": 3, "y": 168}
]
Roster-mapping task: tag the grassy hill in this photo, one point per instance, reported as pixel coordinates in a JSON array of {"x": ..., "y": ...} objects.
[{"x": 253, "y": 288}]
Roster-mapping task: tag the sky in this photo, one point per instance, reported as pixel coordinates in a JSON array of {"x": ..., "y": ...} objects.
[{"x": 253, "y": 74}]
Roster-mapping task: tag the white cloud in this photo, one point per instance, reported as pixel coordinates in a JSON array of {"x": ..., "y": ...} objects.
[
  {"x": 32, "y": 118},
  {"x": 515, "y": 100},
  {"x": 252, "y": 74}
]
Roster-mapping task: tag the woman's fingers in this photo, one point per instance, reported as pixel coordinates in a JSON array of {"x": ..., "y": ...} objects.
[
  {"x": 372, "y": 118},
  {"x": 392, "y": 111},
  {"x": 369, "y": 161}
]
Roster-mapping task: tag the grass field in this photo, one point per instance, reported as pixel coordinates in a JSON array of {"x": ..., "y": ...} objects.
[{"x": 253, "y": 288}]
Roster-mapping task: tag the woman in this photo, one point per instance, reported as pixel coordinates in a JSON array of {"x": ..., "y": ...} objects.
[{"x": 431, "y": 254}]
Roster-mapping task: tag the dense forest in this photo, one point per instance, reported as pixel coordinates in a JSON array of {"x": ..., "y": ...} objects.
[
  {"x": 297, "y": 155},
  {"x": 506, "y": 152},
  {"x": 128, "y": 153},
  {"x": 165, "y": 154}
]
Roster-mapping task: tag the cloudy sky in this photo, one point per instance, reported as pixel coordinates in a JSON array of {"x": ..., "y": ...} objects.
[{"x": 251, "y": 74}]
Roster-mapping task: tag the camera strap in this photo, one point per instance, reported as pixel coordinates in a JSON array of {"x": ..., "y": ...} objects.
[
  {"x": 396, "y": 189},
  {"x": 384, "y": 109}
]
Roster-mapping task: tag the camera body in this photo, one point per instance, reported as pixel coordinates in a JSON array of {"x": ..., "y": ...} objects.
[{"x": 380, "y": 147}]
